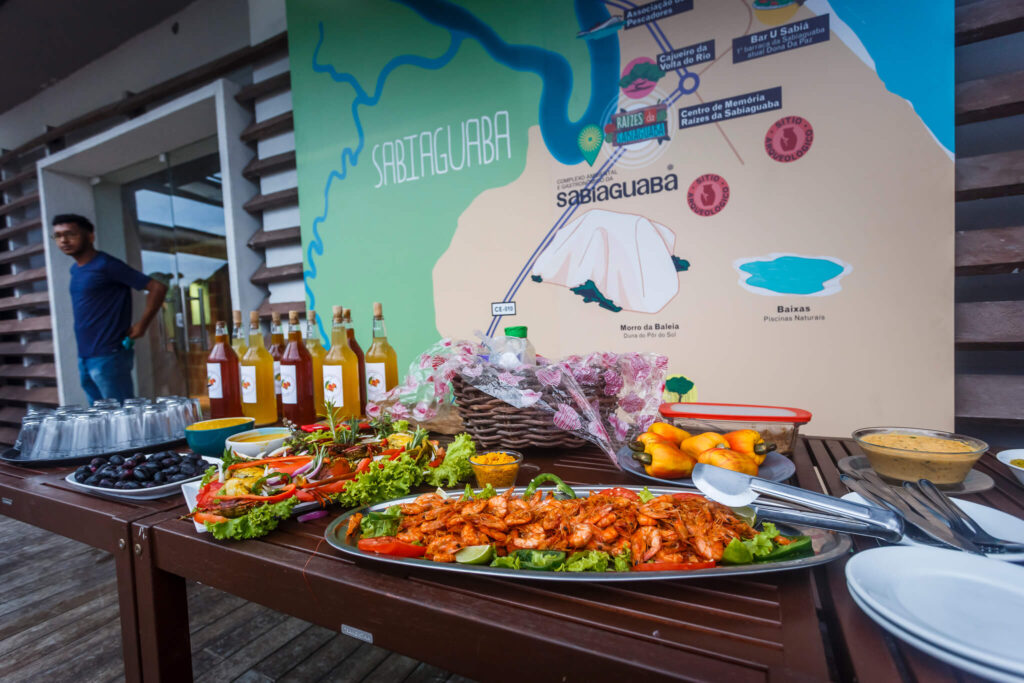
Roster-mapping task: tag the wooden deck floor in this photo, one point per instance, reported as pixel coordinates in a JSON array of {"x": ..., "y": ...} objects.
[{"x": 59, "y": 622}]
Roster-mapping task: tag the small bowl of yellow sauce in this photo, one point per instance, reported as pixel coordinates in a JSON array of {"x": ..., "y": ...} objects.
[
  {"x": 1014, "y": 459},
  {"x": 256, "y": 442},
  {"x": 497, "y": 468},
  {"x": 906, "y": 454},
  {"x": 207, "y": 437}
]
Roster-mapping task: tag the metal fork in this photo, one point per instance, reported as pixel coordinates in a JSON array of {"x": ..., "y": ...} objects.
[{"x": 947, "y": 510}]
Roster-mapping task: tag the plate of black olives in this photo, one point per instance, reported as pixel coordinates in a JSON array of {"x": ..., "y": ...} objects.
[{"x": 140, "y": 476}]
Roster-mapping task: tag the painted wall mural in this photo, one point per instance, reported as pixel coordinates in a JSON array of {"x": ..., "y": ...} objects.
[{"x": 747, "y": 186}]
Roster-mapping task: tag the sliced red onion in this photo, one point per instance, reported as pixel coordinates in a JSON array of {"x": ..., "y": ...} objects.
[{"x": 309, "y": 516}]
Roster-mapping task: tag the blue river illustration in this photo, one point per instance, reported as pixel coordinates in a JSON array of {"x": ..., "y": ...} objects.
[{"x": 791, "y": 274}]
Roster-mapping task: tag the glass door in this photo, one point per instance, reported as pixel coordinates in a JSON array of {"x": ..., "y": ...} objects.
[{"x": 176, "y": 214}]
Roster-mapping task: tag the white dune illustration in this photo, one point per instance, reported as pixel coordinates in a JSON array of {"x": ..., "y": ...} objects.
[{"x": 627, "y": 257}]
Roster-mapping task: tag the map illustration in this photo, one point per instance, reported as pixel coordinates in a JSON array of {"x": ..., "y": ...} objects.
[{"x": 617, "y": 174}]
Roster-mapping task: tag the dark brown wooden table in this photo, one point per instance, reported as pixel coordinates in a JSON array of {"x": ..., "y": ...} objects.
[
  {"x": 800, "y": 625},
  {"x": 42, "y": 498}
]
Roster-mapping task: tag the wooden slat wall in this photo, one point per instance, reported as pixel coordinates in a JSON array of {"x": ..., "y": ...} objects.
[
  {"x": 27, "y": 372},
  {"x": 989, "y": 238}
]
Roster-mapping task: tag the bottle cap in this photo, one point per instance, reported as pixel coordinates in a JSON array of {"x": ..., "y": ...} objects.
[
  {"x": 378, "y": 310},
  {"x": 311, "y": 315},
  {"x": 293, "y": 317},
  {"x": 516, "y": 331},
  {"x": 254, "y": 317},
  {"x": 221, "y": 323},
  {"x": 337, "y": 311},
  {"x": 275, "y": 317},
  {"x": 236, "y": 316},
  {"x": 347, "y": 314}
]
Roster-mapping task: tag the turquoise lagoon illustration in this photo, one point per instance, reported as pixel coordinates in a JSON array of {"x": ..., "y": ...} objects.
[{"x": 791, "y": 274}]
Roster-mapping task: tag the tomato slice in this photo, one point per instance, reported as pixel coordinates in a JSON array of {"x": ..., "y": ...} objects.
[
  {"x": 389, "y": 545},
  {"x": 621, "y": 493},
  {"x": 673, "y": 566},
  {"x": 686, "y": 496}
]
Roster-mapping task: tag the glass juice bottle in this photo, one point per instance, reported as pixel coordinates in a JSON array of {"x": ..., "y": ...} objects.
[
  {"x": 257, "y": 377},
  {"x": 297, "y": 376},
  {"x": 317, "y": 352},
  {"x": 381, "y": 360},
  {"x": 222, "y": 376},
  {"x": 341, "y": 374},
  {"x": 358, "y": 350},
  {"x": 239, "y": 335},
  {"x": 276, "y": 348}
]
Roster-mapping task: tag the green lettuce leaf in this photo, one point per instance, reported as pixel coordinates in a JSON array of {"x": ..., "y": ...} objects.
[
  {"x": 586, "y": 561},
  {"x": 507, "y": 562},
  {"x": 645, "y": 495},
  {"x": 485, "y": 493},
  {"x": 385, "y": 523},
  {"x": 257, "y": 522},
  {"x": 744, "y": 552},
  {"x": 377, "y": 484},
  {"x": 455, "y": 467},
  {"x": 624, "y": 560}
]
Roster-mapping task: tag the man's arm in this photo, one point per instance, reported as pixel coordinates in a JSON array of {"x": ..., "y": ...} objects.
[{"x": 156, "y": 291}]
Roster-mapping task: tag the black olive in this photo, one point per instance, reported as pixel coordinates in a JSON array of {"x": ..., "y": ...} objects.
[
  {"x": 82, "y": 476},
  {"x": 177, "y": 477},
  {"x": 142, "y": 475},
  {"x": 160, "y": 477},
  {"x": 130, "y": 485},
  {"x": 186, "y": 468},
  {"x": 173, "y": 469},
  {"x": 98, "y": 462},
  {"x": 148, "y": 484},
  {"x": 125, "y": 475},
  {"x": 92, "y": 481},
  {"x": 106, "y": 483},
  {"x": 115, "y": 460}
]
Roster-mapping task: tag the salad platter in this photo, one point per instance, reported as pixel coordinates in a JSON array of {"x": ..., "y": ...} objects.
[{"x": 348, "y": 532}]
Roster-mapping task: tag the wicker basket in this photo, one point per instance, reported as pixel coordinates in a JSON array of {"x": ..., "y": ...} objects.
[{"x": 495, "y": 424}]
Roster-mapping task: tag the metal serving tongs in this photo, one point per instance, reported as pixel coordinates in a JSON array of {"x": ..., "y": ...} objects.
[{"x": 738, "y": 490}]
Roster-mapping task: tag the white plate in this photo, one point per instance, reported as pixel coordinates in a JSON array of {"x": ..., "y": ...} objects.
[
  {"x": 162, "y": 491},
  {"x": 996, "y": 522},
  {"x": 968, "y": 665},
  {"x": 964, "y": 604},
  {"x": 190, "y": 489}
]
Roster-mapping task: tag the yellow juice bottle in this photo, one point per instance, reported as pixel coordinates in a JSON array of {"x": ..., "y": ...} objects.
[
  {"x": 239, "y": 336},
  {"x": 341, "y": 372},
  {"x": 317, "y": 352},
  {"x": 381, "y": 360},
  {"x": 256, "y": 374}
]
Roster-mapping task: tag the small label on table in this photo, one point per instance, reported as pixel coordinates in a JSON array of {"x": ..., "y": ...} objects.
[
  {"x": 357, "y": 633},
  {"x": 503, "y": 308}
]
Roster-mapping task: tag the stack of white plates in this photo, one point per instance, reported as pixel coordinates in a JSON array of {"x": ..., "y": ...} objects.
[{"x": 963, "y": 609}]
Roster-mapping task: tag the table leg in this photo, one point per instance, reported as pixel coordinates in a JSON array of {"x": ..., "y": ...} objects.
[
  {"x": 126, "y": 604},
  {"x": 162, "y": 604}
]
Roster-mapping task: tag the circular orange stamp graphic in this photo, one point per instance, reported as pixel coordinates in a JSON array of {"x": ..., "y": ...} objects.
[
  {"x": 708, "y": 194},
  {"x": 789, "y": 138}
]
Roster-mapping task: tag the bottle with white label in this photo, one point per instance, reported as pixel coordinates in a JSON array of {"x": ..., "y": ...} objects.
[
  {"x": 381, "y": 360},
  {"x": 317, "y": 353},
  {"x": 297, "y": 377},
  {"x": 276, "y": 348},
  {"x": 256, "y": 373},
  {"x": 341, "y": 372},
  {"x": 222, "y": 376}
]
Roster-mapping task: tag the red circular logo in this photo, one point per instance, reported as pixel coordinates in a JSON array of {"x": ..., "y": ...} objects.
[
  {"x": 708, "y": 194},
  {"x": 789, "y": 138}
]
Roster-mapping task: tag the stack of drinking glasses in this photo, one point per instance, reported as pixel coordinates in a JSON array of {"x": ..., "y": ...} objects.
[{"x": 73, "y": 431}]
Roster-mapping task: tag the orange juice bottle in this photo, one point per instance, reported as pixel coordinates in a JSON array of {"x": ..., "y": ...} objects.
[
  {"x": 358, "y": 350},
  {"x": 381, "y": 360},
  {"x": 257, "y": 377},
  {"x": 317, "y": 353},
  {"x": 239, "y": 335},
  {"x": 341, "y": 372},
  {"x": 276, "y": 349},
  {"x": 296, "y": 377}
]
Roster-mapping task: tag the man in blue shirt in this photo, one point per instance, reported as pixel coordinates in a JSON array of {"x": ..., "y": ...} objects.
[{"x": 101, "y": 298}]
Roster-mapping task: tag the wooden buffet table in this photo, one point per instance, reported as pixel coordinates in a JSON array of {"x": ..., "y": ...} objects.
[{"x": 799, "y": 625}]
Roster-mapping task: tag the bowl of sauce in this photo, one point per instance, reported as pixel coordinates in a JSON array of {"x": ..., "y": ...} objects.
[
  {"x": 253, "y": 443},
  {"x": 906, "y": 454},
  {"x": 1013, "y": 459},
  {"x": 207, "y": 437}
]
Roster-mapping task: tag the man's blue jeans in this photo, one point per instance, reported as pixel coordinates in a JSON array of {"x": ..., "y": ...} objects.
[{"x": 108, "y": 376}]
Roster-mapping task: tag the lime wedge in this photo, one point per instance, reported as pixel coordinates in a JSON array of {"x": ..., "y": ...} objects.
[{"x": 475, "y": 554}]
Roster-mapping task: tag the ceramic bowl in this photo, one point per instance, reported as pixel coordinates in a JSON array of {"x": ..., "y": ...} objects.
[
  {"x": 252, "y": 443},
  {"x": 208, "y": 437},
  {"x": 1015, "y": 454}
]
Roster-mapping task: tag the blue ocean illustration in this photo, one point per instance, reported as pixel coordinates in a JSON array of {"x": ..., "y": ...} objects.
[{"x": 780, "y": 274}]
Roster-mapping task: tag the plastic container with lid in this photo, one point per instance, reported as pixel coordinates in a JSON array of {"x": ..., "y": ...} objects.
[{"x": 776, "y": 424}]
